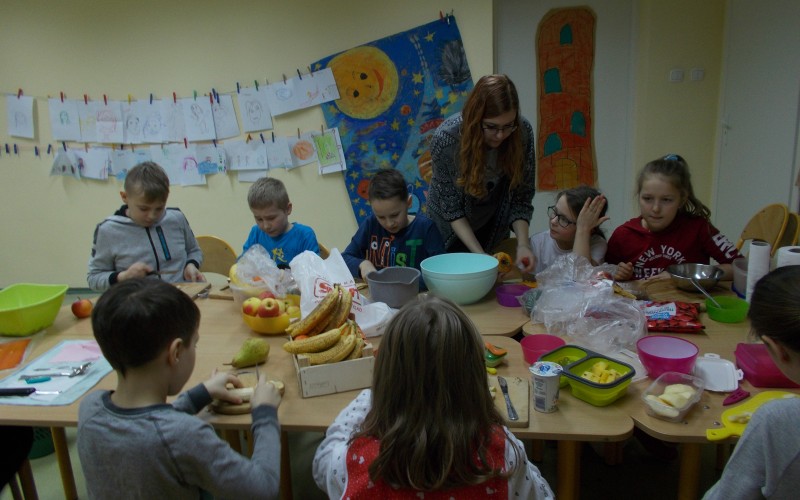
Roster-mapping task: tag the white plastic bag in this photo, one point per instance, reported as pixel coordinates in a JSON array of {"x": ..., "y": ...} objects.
[
  {"x": 257, "y": 272},
  {"x": 315, "y": 277}
]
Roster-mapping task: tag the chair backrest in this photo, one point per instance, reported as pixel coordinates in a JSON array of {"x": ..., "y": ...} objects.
[
  {"x": 768, "y": 224},
  {"x": 324, "y": 252},
  {"x": 218, "y": 255},
  {"x": 792, "y": 232}
]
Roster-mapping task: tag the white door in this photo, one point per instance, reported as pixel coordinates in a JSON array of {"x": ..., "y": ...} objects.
[{"x": 759, "y": 112}]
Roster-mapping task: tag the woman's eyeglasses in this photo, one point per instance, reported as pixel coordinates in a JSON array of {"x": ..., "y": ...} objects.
[
  {"x": 494, "y": 129},
  {"x": 562, "y": 221}
]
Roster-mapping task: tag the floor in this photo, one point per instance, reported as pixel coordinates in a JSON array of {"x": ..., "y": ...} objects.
[{"x": 639, "y": 473}]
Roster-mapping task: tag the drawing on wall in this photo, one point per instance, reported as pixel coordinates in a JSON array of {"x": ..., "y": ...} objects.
[
  {"x": 278, "y": 154},
  {"x": 394, "y": 92},
  {"x": 123, "y": 160},
  {"x": 87, "y": 114},
  {"x": 179, "y": 162},
  {"x": 173, "y": 127},
  {"x": 210, "y": 159},
  {"x": 153, "y": 125},
  {"x": 64, "y": 121},
  {"x": 94, "y": 163},
  {"x": 198, "y": 118},
  {"x": 244, "y": 155},
  {"x": 329, "y": 151},
  {"x": 65, "y": 163},
  {"x": 224, "y": 117},
  {"x": 565, "y": 53},
  {"x": 108, "y": 122},
  {"x": 301, "y": 92},
  {"x": 254, "y": 108},
  {"x": 19, "y": 112},
  {"x": 302, "y": 149},
  {"x": 133, "y": 126}
]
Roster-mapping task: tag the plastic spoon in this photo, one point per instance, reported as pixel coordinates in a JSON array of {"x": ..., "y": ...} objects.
[{"x": 697, "y": 285}]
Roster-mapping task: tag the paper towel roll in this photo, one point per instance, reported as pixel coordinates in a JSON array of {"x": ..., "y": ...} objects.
[
  {"x": 757, "y": 264},
  {"x": 787, "y": 256}
]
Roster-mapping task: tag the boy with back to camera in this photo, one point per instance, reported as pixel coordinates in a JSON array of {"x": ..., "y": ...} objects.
[
  {"x": 131, "y": 442},
  {"x": 283, "y": 240},
  {"x": 144, "y": 237},
  {"x": 390, "y": 237}
]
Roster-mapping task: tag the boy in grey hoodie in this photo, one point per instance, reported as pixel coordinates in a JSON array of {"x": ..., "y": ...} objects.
[{"x": 144, "y": 237}]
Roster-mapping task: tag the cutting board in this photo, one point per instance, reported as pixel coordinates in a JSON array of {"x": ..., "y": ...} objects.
[
  {"x": 222, "y": 292},
  {"x": 731, "y": 428},
  {"x": 518, "y": 391},
  {"x": 193, "y": 289}
]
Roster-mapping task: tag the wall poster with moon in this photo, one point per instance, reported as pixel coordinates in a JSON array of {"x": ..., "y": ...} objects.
[{"x": 394, "y": 92}]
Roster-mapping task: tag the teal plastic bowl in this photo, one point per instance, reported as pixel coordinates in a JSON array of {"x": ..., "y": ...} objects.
[
  {"x": 464, "y": 278},
  {"x": 26, "y": 308}
]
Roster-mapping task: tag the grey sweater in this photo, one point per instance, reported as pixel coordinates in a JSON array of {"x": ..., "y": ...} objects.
[
  {"x": 766, "y": 460},
  {"x": 167, "y": 245},
  {"x": 447, "y": 201},
  {"x": 164, "y": 451}
]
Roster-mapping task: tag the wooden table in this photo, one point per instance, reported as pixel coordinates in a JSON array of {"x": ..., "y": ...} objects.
[
  {"x": 717, "y": 338},
  {"x": 222, "y": 332}
]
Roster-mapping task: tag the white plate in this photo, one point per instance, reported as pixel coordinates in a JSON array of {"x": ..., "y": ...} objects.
[{"x": 720, "y": 375}]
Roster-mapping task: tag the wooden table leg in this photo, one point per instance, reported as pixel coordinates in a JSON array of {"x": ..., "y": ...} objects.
[
  {"x": 286, "y": 468},
  {"x": 233, "y": 438},
  {"x": 569, "y": 470},
  {"x": 537, "y": 450},
  {"x": 64, "y": 463},
  {"x": 689, "y": 477},
  {"x": 27, "y": 484}
]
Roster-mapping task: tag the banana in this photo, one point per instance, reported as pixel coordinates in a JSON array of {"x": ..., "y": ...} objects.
[
  {"x": 336, "y": 353},
  {"x": 316, "y": 319},
  {"x": 342, "y": 311},
  {"x": 317, "y": 343},
  {"x": 357, "y": 350}
]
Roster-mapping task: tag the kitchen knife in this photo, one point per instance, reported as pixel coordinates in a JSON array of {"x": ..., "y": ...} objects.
[
  {"x": 512, "y": 413},
  {"x": 17, "y": 391}
]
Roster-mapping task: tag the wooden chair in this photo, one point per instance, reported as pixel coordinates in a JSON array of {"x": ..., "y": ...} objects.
[
  {"x": 26, "y": 489},
  {"x": 792, "y": 232},
  {"x": 324, "y": 251},
  {"x": 218, "y": 255},
  {"x": 768, "y": 225}
]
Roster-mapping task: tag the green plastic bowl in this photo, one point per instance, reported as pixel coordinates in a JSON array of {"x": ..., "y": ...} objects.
[
  {"x": 26, "y": 308},
  {"x": 734, "y": 309},
  {"x": 561, "y": 354},
  {"x": 592, "y": 392}
]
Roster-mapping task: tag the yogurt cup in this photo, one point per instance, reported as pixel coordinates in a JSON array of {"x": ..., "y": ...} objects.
[{"x": 545, "y": 378}]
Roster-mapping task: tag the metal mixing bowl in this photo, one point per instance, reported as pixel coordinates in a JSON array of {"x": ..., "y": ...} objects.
[{"x": 706, "y": 276}]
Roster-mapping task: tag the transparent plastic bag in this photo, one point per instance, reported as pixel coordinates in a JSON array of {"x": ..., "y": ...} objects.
[
  {"x": 257, "y": 272},
  {"x": 577, "y": 300}
]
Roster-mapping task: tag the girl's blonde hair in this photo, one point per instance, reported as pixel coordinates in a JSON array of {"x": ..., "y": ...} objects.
[
  {"x": 675, "y": 169},
  {"x": 492, "y": 96},
  {"x": 431, "y": 407}
]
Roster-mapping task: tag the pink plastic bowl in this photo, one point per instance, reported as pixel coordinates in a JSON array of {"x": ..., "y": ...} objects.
[
  {"x": 507, "y": 294},
  {"x": 662, "y": 353},
  {"x": 533, "y": 346}
]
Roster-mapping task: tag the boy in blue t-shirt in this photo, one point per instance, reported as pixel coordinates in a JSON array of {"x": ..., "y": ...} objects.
[
  {"x": 271, "y": 208},
  {"x": 390, "y": 237}
]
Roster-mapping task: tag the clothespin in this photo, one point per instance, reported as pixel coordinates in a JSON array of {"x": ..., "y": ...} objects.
[
  {"x": 266, "y": 81},
  {"x": 86, "y": 146},
  {"x": 86, "y": 99},
  {"x": 214, "y": 142},
  {"x": 284, "y": 78},
  {"x": 62, "y": 96},
  {"x": 195, "y": 94},
  {"x": 262, "y": 138},
  {"x": 151, "y": 98},
  {"x": 322, "y": 129},
  {"x": 185, "y": 143},
  {"x": 105, "y": 99},
  {"x": 16, "y": 151},
  {"x": 310, "y": 72},
  {"x": 129, "y": 99},
  {"x": 256, "y": 85},
  {"x": 211, "y": 98},
  {"x": 36, "y": 150},
  {"x": 64, "y": 145},
  {"x": 273, "y": 137},
  {"x": 298, "y": 132},
  {"x": 8, "y": 150},
  {"x": 49, "y": 148},
  {"x": 174, "y": 98},
  {"x": 19, "y": 93},
  {"x": 214, "y": 95},
  {"x": 237, "y": 87},
  {"x": 247, "y": 141},
  {"x": 299, "y": 74},
  {"x": 121, "y": 147}
]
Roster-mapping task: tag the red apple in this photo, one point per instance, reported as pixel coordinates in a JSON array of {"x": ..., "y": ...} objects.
[
  {"x": 266, "y": 294},
  {"x": 82, "y": 308},
  {"x": 250, "y": 306},
  {"x": 269, "y": 308}
]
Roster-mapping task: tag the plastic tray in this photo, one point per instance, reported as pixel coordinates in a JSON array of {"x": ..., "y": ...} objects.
[
  {"x": 664, "y": 411},
  {"x": 758, "y": 367},
  {"x": 582, "y": 360}
]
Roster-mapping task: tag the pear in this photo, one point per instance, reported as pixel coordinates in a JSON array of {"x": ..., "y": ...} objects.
[{"x": 252, "y": 352}]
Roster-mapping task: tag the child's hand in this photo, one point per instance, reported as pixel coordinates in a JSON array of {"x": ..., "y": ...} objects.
[
  {"x": 589, "y": 217},
  {"x": 365, "y": 268},
  {"x": 624, "y": 271},
  {"x": 191, "y": 273},
  {"x": 137, "y": 270},
  {"x": 526, "y": 261},
  {"x": 265, "y": 393},
  {"x": 217, "y": 386}
]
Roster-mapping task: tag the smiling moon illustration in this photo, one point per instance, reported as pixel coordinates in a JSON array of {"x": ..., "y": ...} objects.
[{"x": 367, "y": 81}]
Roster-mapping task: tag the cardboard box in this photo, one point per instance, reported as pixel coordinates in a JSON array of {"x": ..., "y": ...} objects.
[{"x": 335, "y": 377}]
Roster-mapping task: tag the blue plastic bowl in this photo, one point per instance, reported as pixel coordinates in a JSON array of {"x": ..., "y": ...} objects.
[{"x": 464, "y": 278}]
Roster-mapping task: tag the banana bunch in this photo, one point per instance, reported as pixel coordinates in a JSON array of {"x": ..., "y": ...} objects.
[
  {"x": 337, "y": 344},
  {"x": 330, "y": 313}
]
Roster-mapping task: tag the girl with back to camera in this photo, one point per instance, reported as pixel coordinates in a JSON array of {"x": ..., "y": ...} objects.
[
  {"x": 766, "y": 460},
  {"x": 570, "y": 233},
  {"x": 674, "y": 227},
  {"x": 428, "y": 425},
  {"x": 484, "y": 172}
]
